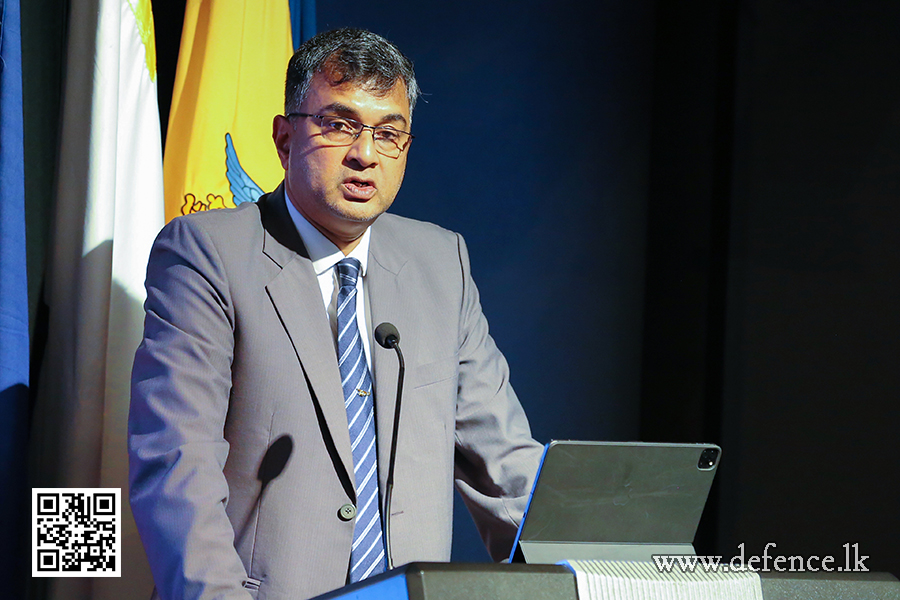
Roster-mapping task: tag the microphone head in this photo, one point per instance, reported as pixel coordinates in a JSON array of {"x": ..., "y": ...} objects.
[{"x": 387, "y": 335}]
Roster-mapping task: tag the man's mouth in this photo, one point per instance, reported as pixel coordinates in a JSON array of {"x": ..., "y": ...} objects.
[{"x": 359, "y": 189}]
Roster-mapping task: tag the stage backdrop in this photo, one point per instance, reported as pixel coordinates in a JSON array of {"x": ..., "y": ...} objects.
[{"x": 532, "y": 140}]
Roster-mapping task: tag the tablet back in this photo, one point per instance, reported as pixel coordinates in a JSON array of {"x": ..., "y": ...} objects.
[{"x": 615, "y": 501}]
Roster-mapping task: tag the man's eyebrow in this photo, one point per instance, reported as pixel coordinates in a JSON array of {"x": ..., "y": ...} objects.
[
  {"x": 394, "y": 118},
  {"x": 343, "y": 109},
  {"x": 337, "y": 107}
]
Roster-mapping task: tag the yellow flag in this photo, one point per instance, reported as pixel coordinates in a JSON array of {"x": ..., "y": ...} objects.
[{"x": 228, "y": 86}]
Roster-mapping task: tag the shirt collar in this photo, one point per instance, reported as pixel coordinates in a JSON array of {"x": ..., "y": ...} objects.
[{"x": 322, "y": 251}]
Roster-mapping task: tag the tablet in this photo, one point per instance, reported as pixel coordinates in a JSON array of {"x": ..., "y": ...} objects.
[{"x": 615, "y": 501}]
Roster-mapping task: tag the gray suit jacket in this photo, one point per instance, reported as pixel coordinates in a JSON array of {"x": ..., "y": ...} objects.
[{"x": 238, "y": 361}]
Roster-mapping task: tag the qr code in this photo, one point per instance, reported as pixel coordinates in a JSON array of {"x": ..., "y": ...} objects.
[{"x": 76, "y": 532}]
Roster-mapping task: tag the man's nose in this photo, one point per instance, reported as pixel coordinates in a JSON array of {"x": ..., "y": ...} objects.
[{"x": 362, "y": 150}]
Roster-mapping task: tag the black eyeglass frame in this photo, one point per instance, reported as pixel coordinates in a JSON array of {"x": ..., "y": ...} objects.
[{"x": 361, "y": 128}]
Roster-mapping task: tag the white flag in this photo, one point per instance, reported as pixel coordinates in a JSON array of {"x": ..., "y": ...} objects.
[{"x": 109, "y": 208}]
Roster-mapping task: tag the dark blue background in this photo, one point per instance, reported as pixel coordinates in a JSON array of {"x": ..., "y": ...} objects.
[{"x": 532, "y": 141}]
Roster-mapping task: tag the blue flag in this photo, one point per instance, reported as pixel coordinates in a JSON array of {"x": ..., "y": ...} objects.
[{"x": 13, "y": 298}]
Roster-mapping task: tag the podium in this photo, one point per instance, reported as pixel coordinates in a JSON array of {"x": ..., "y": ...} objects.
[
  {"x": 466, "y": 581},
  {"x": 615, "y": 505}
]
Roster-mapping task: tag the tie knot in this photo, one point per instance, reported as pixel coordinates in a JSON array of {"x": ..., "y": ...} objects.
[{"x": 348, "y": 272}]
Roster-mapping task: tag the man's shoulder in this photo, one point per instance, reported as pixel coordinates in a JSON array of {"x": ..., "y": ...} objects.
[
  {"x": 225, "y": 233},
  {"x": 398, "y": 241},
  {"x": 246, "y": 214},
  {"x": 404, "y": 229},
  {"x": 234, "y": 225}
]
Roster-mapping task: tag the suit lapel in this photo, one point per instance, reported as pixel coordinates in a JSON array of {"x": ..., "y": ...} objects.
[
  {"x": 295, "y": 294},
  {"x": 387, "y": 303}
]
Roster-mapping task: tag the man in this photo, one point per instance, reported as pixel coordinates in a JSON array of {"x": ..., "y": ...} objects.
[{"x": 255, "y": 471}]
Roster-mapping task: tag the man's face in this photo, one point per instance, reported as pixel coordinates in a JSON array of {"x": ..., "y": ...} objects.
[{"x": 341, "y": 190}]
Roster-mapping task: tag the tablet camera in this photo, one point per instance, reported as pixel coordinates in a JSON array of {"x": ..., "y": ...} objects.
[{"x": 708, "y": 459}]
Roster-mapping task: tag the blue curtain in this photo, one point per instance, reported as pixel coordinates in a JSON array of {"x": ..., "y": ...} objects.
[
  {"x": 303, "y": 20},
  {"x": 14, "y": 346}
]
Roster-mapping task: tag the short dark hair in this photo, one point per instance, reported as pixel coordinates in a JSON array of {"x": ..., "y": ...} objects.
[{"x": 348, "y": 55}]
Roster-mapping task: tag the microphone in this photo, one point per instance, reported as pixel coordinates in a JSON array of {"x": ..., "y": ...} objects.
[{"x": 388, "y": 337}]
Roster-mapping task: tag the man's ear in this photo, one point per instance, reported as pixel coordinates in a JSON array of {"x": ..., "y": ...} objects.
[{"x": 282, "y": 130}]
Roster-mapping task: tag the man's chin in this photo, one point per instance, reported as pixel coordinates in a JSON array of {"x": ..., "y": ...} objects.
[{"x": 359, "y": 211}]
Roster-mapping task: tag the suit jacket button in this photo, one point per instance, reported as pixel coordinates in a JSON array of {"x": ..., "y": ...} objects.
[{"x": 347, "y": 512}]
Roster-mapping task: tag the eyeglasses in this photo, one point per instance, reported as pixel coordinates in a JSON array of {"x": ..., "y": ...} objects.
[{"x": 343, "y": 131}]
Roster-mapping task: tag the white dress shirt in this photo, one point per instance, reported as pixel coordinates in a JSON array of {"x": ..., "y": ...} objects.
[{"x": 325, "y": 255}]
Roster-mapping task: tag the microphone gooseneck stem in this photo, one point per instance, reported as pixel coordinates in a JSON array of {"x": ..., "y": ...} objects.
[{"x": 393, "y": 343}]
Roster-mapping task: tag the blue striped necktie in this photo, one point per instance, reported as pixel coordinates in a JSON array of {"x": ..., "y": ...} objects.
[{"x": 367, "y": 552}]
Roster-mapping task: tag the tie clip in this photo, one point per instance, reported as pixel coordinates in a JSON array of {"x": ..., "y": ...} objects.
[{"x": 362, "y": 392}]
